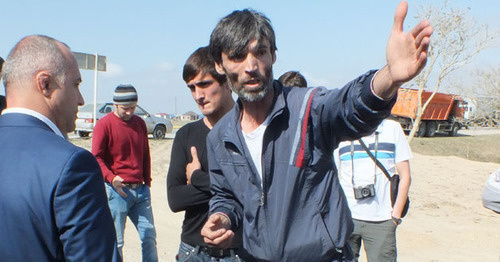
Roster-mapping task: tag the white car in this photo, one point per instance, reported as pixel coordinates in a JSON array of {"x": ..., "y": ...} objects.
[{"x": 157, "y": 126}]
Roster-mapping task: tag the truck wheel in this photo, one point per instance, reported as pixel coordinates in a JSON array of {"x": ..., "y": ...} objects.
[
  {"x": 454, "y": 129},
  {"x": 421, "y": 130},
  {"x": 431, "y": 129},
  {"x": 83, "y": 134},
  {"x": 159, "y": 132}
]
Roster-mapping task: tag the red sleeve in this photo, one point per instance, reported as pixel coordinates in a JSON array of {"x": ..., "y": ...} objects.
[
  {"x": 147, "y": 157},
  {"x": 100, "y": 149}
]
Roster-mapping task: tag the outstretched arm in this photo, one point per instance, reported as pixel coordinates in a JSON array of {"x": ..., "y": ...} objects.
[{"x": 406, "y": 54}]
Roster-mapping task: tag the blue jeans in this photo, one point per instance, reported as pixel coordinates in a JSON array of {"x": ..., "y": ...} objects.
[
  {"x": 137, "y": 206},
  {"x": 194, "y": 254}
]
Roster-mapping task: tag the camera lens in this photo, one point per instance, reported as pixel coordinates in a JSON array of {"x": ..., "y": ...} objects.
[{"x": 365, "y": 192}]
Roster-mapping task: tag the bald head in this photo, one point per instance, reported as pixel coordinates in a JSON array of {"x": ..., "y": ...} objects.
[
  {"x": 41, "y": 74},
  {"x": 31, "y": 55}
]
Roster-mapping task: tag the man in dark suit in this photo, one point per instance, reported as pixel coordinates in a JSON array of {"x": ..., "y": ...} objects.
[{"x": 53, "y": 204}]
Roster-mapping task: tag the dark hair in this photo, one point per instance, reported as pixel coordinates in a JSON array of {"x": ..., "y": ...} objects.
[
  {"x": 1, "y": 64},
  {"x": 293, "y": 78},
  {"x": 3, "y": 103},
  {"x": 201, "y": 62},
  {"x": 234, "y": 32}
]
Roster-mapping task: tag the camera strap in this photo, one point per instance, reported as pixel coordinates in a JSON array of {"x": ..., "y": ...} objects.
[
  {"x": 369, "y": 153},
  {"x": 352, "y": 164},
  {"x": 374, "y": 158}
]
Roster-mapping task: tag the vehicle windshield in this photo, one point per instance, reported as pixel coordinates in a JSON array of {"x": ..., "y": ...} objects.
[{"x": 139, "y": 111}]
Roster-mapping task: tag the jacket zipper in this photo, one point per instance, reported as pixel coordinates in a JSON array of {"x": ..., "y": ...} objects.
[{"x": 263, "y": 191}]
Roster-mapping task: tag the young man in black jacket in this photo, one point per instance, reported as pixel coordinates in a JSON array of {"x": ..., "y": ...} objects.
[{"x": 188, "y": 183}]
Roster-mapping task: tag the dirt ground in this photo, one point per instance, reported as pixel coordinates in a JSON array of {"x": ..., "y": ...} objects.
[{"x": 446, "y": 221}]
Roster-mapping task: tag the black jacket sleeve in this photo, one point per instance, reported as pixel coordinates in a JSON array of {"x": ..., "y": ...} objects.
[
  {"x": 181, "y": 195},
  {"x": 201, "y": 180}
]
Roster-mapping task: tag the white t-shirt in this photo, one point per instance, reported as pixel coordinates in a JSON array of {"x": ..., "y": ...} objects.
[
  {"x": 392, "y": 148},
  {"x": 254, "y": 141}
]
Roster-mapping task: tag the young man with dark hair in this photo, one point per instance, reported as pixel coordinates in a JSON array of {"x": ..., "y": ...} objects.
[
  {"x": 270, "y": 158},
  {"x": 293, "y": 79},
  {"x": 188, "y": 183}
]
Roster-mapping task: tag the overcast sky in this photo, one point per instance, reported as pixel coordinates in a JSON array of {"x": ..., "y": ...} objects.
[{"x": 147, "y": 42}]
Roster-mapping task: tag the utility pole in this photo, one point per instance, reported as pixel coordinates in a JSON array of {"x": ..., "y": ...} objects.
[{"x": 92, "y": 62}]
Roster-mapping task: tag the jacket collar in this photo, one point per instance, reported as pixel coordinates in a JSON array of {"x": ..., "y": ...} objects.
[
  {"x": 35, "y": 114},
  {"x": 234, "y": 126},
  {"x": 23, "y": 120}
]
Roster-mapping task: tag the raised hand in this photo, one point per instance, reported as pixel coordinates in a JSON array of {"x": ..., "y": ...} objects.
[
  {"x": 194, "y": 165},
  {"x": 407, "y": 52},
  {"x": 216, "y": 231}
]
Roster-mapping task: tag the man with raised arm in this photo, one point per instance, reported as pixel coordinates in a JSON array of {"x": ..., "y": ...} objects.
[{"x": 270, "y": 158}]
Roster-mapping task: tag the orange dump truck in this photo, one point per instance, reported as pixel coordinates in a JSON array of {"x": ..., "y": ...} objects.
[{"x": 445, "y": 112}]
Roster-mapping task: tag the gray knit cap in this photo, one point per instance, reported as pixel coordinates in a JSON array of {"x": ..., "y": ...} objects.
[{"x": 125, "y": 94}]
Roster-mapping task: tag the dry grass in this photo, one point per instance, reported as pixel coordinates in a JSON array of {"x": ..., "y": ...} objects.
[{"x": 483, "y": 148}]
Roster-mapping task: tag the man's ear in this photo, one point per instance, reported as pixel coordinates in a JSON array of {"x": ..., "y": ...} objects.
[
  {"x": 43, "y": 83},
  {"x": 219, "y": 69},
  {"x": 274, "y": 56}
]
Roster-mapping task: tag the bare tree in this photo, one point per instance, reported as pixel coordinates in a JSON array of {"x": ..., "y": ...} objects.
[
  {"x": 457, "y": 39},
  {"x": 486, "y": 98}
]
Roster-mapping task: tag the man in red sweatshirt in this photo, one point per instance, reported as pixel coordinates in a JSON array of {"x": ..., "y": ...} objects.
[{"x": 120, "y": 144}]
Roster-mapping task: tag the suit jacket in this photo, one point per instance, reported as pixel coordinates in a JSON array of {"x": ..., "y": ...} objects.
[{"x": 53, "y": 204}]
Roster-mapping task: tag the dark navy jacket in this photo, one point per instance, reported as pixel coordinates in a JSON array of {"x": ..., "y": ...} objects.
[
  {"x": 53, "y": 204},
  {"x": 300, "y": 213}
]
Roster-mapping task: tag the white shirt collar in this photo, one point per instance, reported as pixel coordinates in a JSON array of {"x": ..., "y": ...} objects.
[{"x": 39, "y": 116}]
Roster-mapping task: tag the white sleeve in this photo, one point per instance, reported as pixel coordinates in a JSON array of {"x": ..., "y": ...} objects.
[
  {"x": 336, "y": 157},
  {"x": 403, "y": 151}
]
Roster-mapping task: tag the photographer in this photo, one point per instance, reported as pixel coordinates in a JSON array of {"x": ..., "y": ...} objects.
[{"x": 367, "y": 189}]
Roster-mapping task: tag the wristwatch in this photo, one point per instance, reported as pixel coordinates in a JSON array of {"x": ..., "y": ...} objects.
[{"x": 397, "y": 220}]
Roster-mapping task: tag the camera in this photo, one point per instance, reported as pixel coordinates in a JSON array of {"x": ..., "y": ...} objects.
[{"x": 364, "y": 192}]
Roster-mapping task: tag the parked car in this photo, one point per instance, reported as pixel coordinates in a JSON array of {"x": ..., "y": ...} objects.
[{"x": 157, "y": 126}]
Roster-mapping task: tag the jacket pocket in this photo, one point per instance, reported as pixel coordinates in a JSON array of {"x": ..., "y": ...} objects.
[{"x": 326, "y": 234}]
